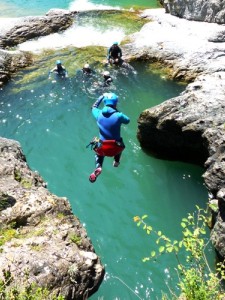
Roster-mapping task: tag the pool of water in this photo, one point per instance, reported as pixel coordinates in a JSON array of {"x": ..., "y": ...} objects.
[{"x": 52, "y": 120}]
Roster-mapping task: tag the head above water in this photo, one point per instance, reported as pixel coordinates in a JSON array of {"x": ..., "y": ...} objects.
[
  {"x": 106, "y": 73},
  {"x": 110, "y": 99}
]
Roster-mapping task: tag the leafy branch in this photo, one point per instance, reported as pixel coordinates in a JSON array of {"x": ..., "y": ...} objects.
[{"x": 196, "y": 280}]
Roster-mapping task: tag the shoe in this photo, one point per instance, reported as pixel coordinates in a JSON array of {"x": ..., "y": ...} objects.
[
  {"x": 95, "y": 174},
  {"x": 116, "y": 164}
]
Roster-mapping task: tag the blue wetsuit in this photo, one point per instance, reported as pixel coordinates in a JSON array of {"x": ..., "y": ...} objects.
[{"x": 109, "y": 121}]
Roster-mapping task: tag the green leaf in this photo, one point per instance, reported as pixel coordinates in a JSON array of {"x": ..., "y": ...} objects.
[
  {"x": 183, "y": 225},
  {"x": 145, "y": 259},
  {"x": 144, "y": 217},
  {"x": 161, "y": 249},
  {"x": 184, "y": 220},
  {"x": 159, "y": 233},
  {"x": 149, "y": 228},
  {"x": 169, "y": 249},
  {"x": 153, "y": 254},
  {"x": 176, "y": 248}
]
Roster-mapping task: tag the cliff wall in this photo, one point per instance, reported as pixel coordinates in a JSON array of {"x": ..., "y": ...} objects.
[
  {"x": 41, "y": 241},
  {"x": 212, "y": 11}
]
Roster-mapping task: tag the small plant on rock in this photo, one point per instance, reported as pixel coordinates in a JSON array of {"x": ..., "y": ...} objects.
[{"x": 196, "y": 280}]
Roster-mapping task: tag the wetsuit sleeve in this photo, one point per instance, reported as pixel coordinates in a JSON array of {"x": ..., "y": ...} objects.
[
  {"x": 124, "y": 119},
  {"x": 95, "y": 109},
  {"x": 108, "y": 53},
  {"x": 120, "y": 53}
]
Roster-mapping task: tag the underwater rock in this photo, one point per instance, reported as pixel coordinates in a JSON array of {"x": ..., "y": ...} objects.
[{"x": 42, "y": 242}]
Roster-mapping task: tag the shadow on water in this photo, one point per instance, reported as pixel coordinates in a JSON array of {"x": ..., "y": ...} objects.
[{"x": 52, "y": 120}]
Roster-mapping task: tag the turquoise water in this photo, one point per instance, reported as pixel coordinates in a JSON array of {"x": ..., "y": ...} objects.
[
  {"x": 52, "y": 120},
  {"x": 53, "y": 123},
  {"x": 15, "y": 8}
]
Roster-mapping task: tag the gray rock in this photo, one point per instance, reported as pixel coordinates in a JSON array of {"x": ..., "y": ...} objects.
[
  {"x": 27, "y": 28},
  {"x": 197, "y": 10},
  {"x": 48, "y": 245}
]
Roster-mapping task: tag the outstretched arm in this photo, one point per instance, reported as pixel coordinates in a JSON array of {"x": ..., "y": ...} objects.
[
  {"x": 95, "y": 109},
  {"x": 97, "y": 102}
]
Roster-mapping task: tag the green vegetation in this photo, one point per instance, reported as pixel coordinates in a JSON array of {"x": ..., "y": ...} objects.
[
  {"x": 196, "y": 280},
  {"x": 8, "y": 233},
  {"x": 26, "y": 183},
  {"x": 30, "y": 292},
  {"x": 76, "y": 239}
]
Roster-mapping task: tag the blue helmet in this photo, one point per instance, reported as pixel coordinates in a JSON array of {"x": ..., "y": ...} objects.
[
  {"x": 110, "y": 99},
  {"x": 58, "y": 62},
  {"x": 115, "y": 43}
]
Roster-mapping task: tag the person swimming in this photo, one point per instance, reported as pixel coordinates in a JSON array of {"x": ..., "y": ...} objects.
[
  {"x": 87, "y": 69},
  {"x": 59, "y": 69},
  {"x": 107, "y": 78}
]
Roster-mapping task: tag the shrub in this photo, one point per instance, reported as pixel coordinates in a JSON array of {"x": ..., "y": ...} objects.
[{"x": 196, "y": 280}]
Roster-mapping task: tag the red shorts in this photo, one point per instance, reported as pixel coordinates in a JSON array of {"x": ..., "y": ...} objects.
[{"x": 109, "y": 148}]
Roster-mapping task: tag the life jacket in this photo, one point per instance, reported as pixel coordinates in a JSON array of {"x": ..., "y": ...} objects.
[{"x": 106, "y": 147}]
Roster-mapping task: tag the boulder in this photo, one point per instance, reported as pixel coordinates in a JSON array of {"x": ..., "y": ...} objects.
[{"x": 27, "y": 28}]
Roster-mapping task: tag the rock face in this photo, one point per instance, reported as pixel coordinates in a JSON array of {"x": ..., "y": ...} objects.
[
  {"x": 190, "y": 127},
  {"x": 31, "y": 27},
  {"x": 10, "y": 62},
  {"x": 42, "y": 242},
  {"x": 197, "y": 10}
]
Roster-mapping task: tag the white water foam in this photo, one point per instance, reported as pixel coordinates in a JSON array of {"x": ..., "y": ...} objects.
[
  {"x": 82, "y": 5},
  {"x": 77, "y": 36}
]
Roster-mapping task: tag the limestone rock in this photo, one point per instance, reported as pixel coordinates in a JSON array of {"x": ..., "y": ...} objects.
[
  {"x": 31, "y": 27},
  {"x": 197, "y": 10},
  {"x": 47, "y": 244}
]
